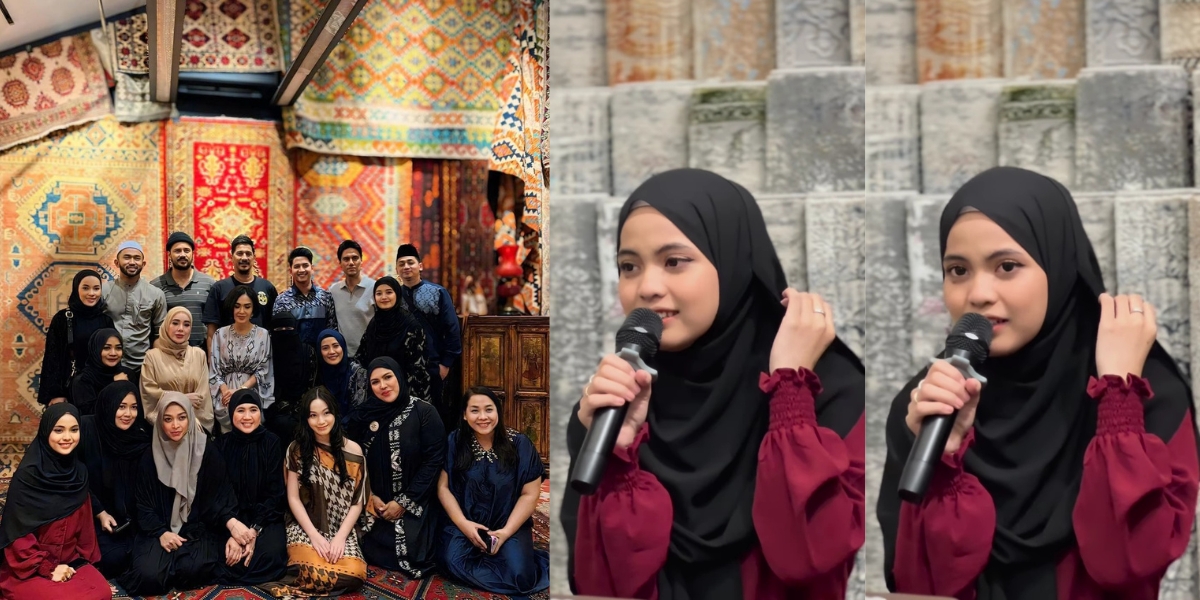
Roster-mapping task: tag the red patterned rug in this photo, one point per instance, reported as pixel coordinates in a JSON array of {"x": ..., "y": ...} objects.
[
  {"x": 228, "y": 177},
  {"x": 380, "y": 585}
]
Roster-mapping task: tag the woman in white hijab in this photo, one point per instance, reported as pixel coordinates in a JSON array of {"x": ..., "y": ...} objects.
[{"x": 184, "y": 502}]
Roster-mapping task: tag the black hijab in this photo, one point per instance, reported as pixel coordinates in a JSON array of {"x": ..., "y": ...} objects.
[
  {"x": 709, "y": 416},
  {"x": 242, "y": 451},
  {"x": 294, "y": 361},
  {"x": 47, "y": 486},
  {"x": 387, "y": 326},
  {"x": 1035, "y": 419},
  {"x": 123, "y": 444},
  {"x": 375, "y": 410},
  {"x": 95, "y": 374},
  {"x": 75, "y": 302},
  {"x": 336, "y": 378},
  {"x": 113, "y": 454}
]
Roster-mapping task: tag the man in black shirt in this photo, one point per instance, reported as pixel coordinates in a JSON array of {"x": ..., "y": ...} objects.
[{"x": 242, "y": 248}]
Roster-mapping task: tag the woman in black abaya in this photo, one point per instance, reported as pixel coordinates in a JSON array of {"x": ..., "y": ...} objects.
[
  {"x": 114, "y": 440},
  {"x": 254, "y": 460}
]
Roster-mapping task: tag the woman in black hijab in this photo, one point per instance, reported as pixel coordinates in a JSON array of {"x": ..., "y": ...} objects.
[
  {"x": 399, "y": 430},
  {"x": 295, "y": 372},
  {"x": 254, "y": 460},
  {"x": 103, "y": 367},
  {"x": 396, "y": 334},
  {"x": 114, "y": 440},
  {"x": 745, "y": 470},
  {"x": 46, "y": 533},
  {"x": 1074, "y": 473},
  {"x": 70, "y": 332}
]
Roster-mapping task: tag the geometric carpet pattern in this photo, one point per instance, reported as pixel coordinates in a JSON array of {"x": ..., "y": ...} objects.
[{"x": 66, "y": 202}]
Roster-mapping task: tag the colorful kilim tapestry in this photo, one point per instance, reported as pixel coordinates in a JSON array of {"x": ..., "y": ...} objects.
[
  {"x": 367, "y": 200},
  {"x": 51, "y": 87},
  {"x": 229, "y": 177},
  {"x": 411, "y": 78},
  {"x": 518, "y": 147},
  {"x": 431, "y": 221},
  {"x": 66, "y": 202},
  {"x": 232, "y": 36}
]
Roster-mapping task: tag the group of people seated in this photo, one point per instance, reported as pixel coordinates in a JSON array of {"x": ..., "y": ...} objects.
[{"x": 135, "y": 484}]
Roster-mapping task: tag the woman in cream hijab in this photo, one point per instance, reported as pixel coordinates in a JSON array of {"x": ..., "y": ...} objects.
[
  {"x": 173, "y": 365},
  {"x": 185, "y": 507}
]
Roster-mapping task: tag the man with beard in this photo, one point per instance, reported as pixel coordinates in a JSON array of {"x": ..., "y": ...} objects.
[
  {"x": 215, "y": 315},
  {"x": 184, "y": 286},
  {"x": 312, "y": 306},
  {"x": 433, "y": 307},
  {"x": 137, "y": 308}
]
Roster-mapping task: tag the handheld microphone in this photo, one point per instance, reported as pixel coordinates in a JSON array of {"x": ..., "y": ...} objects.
[
  {"x": 637, "y": 341},
  {"x": 966, "y": 347}
]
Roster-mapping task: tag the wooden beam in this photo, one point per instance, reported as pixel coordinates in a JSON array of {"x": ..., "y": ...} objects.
[
  {"x": 165, "y": 24},
  {"x": 335, "y": 20}
]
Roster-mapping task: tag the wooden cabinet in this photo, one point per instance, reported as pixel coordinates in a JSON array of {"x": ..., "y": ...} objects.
[{"x": 511, "y": 355}]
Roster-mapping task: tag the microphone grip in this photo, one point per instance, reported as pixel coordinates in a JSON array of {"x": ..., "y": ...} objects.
[
  {"x": 925, "y": 455},
  {"x": 597, "y": 446},
  {"x": 927, "y": 451},
  {"x": 588, "y": 467}
]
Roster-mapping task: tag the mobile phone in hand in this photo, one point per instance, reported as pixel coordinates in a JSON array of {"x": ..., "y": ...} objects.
[
  {"x": 121, "y": 528},
  {"x": 487, "y": 538}
]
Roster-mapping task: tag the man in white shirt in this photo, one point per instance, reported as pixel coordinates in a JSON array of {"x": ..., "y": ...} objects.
[{"x": 353, "y": 297}]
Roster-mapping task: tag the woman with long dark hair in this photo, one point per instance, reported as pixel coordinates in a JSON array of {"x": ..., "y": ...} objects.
[
  {"x": 405, "y": 445},
  {"x": 254, "y": 459},
  {"x": 103, "y": 367},
  {"x": 326, "y": 491},
  {"x": 69, "y": 334},
  {"x": 46, "y": 533},
  {"x": 240, "y": 357},
  {"x": 114, "y": 440},
  {"x": 489, "y": 486},
  {"x": 1073, "y": 473},
  {"x": 739, "y": 471},
  {"x": 396, "y": 334}
]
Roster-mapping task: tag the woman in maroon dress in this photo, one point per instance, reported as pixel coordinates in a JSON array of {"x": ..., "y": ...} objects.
[
  {"x": 46, "y": 533},
  {"x": 743, "y": 476},
  {"x": 1073, "y": 473}
]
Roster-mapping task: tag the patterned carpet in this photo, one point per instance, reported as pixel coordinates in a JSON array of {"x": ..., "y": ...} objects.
[{"x": 381, "y": 584}]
